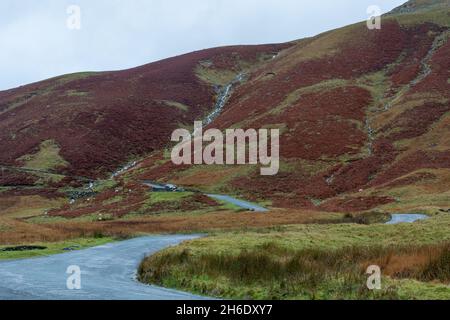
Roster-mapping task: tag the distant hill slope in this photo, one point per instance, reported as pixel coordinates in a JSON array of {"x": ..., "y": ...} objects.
[
  {"x": 364, "y": 116},
  {"x": 414, "y": 6},
  {"x": 94, "y": 122}
]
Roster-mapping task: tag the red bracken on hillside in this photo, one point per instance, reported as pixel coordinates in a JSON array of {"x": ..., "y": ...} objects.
[
  {"x": 357, "y": 109},
  {"x": 100, "y": 120},
  {"x": 364, "y": 116}
]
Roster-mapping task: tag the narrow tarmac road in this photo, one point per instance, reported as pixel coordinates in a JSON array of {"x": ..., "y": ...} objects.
[
  {"x": 107, "y": 273},
  {"x": 407, "y": 218},
  {"x": 240, "y": 203}
]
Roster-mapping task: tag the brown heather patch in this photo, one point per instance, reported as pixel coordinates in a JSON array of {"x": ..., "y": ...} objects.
[
  {"x": 415, "y": 122},
  {"x": 11, "y": 179},
  {"x": 413, "y": 179},
  {"x": 413, "y": 162},
  {"x": 271, "y": 271},
  {"x": 49, "y": 193},
  {"x": 426, "y": 263},
  {"x": 355, "y": 204},
  {"x": 436, "y": 82},
  {"x": 205, "y": 176},
  {"x": 165, "y": 170},
  {"x": 23, "y": 232},
  {"x": 134, "y": 200},
  {"x": 312, "y": 118},
  {"x": 415, "y": 51},
  {"x": 26, "y": 206},
  {"x": 20, "y": 232},
  {"x": 91, "y": 128}
]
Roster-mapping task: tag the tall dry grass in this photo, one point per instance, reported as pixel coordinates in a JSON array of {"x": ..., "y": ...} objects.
[
  {"x": 282, "y": 273},
  {"x": 21, "y": 231}
]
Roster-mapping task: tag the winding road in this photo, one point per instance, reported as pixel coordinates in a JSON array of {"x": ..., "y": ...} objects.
[
  {"x": 407, "y": 218},
  {"x": 224, "y": 198},
  {"x": 240, "y": 203},
  {"x": 107, "y": 273}
]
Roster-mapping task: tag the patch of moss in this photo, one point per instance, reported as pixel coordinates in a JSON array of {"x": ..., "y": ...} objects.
[
  {"x": 75, "y": 76},
  {"x": 46, "y": 158},
  {"x": 55, "y": 248},
  {"x": 102, "y": 185},
  {"x": 256, "y": 263},
  {"x": 294, "y": 96},
  {"x": 113, "y": 200},
  {"x": 214, "y": 76},
  {"x": 439, "y": 16},
  {"x": 75, "y": 93},
  {"x": 157, "y": 197}
]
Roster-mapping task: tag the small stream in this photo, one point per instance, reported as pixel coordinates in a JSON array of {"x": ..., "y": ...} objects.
[{"x": 222, "y": 98}]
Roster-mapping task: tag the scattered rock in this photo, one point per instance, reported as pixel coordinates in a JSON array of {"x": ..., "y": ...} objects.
[
  {"x": 72, "y": 248},
  {"x": 22, "y": 248}
]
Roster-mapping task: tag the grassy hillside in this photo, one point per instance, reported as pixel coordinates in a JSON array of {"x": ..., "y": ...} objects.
[
  {"x": 311, "y": 262},
  {"x": 99, "y": 121},
  {"x": 363, "y": 115}
]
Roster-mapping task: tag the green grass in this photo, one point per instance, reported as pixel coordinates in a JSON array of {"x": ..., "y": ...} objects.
[
  {"x": 294, "y": 96},
  {"x": 75, "y": 93},
  {"x": 230, "y": 206},
  {"x": 75, "y": 76},
  {"x": 103, "y": 185},
  {"x": 46, "y": 178},
  {"x": 54, "y": 248},
  {"x": 94, "y": 217},
  {"x": 330, "y": 236},
  {"x": 172, "y": 203},
  {"x": 113, "y": 200},
  {"x": 4, "y": 189},
  {"x": 177, "y": 105},
  {"x": 46, "y": 158},
  {"x": 426, "y": 291},
  {"x": 439, "y": 16},
  {"x": 273, "y": 272},
  {"x": 303, "y": 262},
  {"x": 4, "y": 227},
  {"x": 175, "y": 198},
  {"x": 214, "y": 76},
  {"x": 220, "y": 185},
  {"x": 157, "y": 197}
]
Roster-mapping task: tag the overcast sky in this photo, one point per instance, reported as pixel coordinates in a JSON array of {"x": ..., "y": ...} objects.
[{"x": 35, "y": 42}]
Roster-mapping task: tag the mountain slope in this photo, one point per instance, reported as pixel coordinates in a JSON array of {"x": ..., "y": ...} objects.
[
  {"x": 364, "y": 116},
  {"x": 97, "y": 121},
  {"x": 415, "y": 6}
]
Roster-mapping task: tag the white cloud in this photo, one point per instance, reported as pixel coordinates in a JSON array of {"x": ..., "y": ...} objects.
[{"x": 116, "y": 34}]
